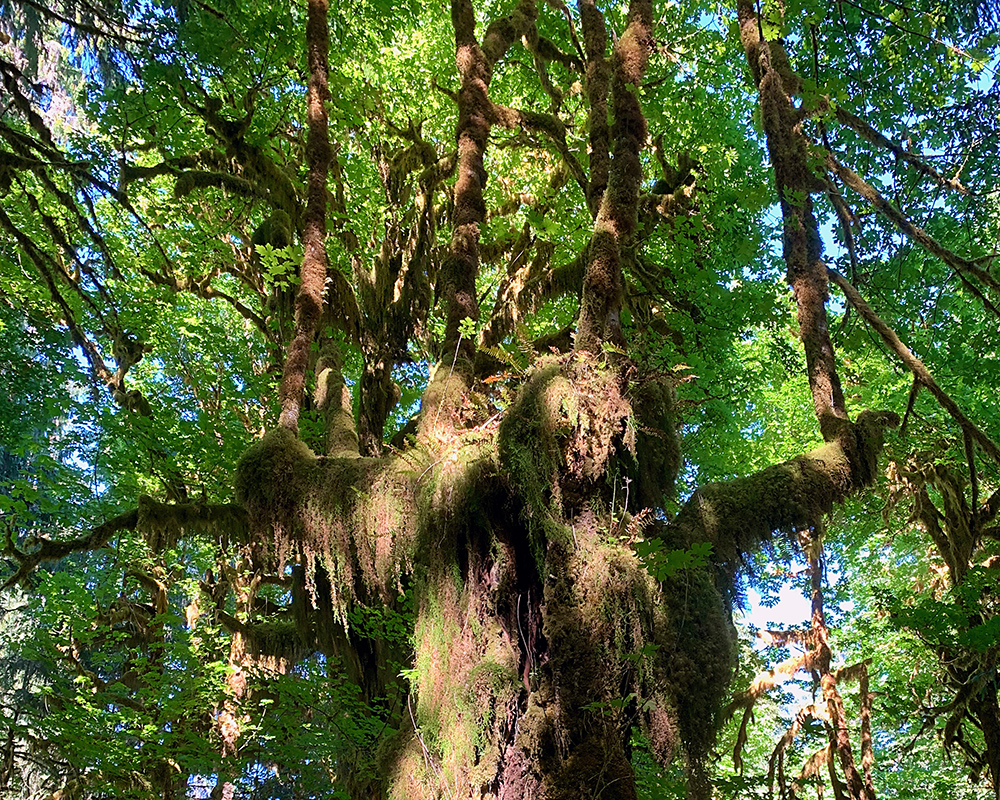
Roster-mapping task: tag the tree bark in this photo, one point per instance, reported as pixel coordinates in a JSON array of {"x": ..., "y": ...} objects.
[{"x": 475, "y": 114}]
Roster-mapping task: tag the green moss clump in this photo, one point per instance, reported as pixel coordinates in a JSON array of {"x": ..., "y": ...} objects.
[{"x": 272, "y": 477}]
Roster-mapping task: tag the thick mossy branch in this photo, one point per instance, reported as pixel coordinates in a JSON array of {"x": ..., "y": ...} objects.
[
  {"x": 310, "y": 298},
  {"x": 304, "y": 506},
  {"x": 598, "y": 83},
  {"x": 361, "y": 521},
  {"x": 795, "y": 182},
  {"x": 617, "y": 216},
  {"x": 738, "y": 516},
  {"x": 475, "y": 112}
]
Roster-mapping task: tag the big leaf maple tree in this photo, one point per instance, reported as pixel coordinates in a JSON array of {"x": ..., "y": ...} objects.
[{"x": 400, "y": 399}]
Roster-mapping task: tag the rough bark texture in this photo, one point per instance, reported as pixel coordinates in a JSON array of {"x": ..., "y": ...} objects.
[
  {"x": 312, "y": 286},
  {"x": 598, "y": 81}
]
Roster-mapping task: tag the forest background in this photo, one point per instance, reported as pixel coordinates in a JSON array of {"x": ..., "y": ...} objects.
[{"x": 400, "y": 399}]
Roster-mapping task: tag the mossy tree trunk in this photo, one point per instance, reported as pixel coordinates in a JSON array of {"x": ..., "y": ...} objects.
[{"x": 796, "y": 180}]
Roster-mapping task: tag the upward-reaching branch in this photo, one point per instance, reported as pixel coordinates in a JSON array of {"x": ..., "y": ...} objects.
[
  {"x": 879, "y": 139},
  {"x": 795, "y": 182},
  {"x": 598, "y": 77},
  {"x": 619, "y": 206},
  {"x": 475, "y": 113},
  {"x": 309, "y": 301},
  {"x": 920, "y": 373},
  {"x": 961, "y": 265}
]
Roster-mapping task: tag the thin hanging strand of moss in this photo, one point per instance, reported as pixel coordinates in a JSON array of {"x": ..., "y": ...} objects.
[{"x": 309, "y": 300}]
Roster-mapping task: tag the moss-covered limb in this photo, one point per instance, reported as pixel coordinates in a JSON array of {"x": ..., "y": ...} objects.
[
  {"x": 443, "y": 399},
  {"x": 475, "y": 68},
  {"x": 333, "y": 399},
  {"x": 559, "y": 436},
  {"x": 739, "y": 515},
  {"x": 213, "y": 159},
  {"x": 879, "y": 139},
  {"x": 912, "y": 231},
  {"x": 597, "y": 81},
  {"x": 309, "y": 300},
  {"x": 503, "y": 32},
  {"x": 617, "y": 216},
  {"x": 192, "y": 179},
  {"x": 916, "y": 366},
  {"x": 353, "y": 520},
  {"x": 795, "y": 182},
  {"x": 255, "y": 165},
  {"x": 50, "y": 550},
  {"x": 543, "y": 51},
  {"x": 226, "y": 520},
  {"x": 657, "y": 444}
]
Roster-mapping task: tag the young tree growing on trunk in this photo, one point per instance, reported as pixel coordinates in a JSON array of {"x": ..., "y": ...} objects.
[{"x": 507, "y": 595}]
